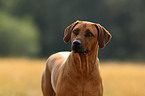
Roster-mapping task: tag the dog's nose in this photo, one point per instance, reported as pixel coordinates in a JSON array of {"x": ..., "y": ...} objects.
[{"x": 76, "y": 42}]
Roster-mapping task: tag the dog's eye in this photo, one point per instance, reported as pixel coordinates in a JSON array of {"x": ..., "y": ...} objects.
[
  {"x": 75, "y": 32},
  {"x": 89, "y": 34}
]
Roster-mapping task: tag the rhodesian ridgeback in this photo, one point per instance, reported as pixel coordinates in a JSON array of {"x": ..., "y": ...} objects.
[{"x": 76, "y": 73}]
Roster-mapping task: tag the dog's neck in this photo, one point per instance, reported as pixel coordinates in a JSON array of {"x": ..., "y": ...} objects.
[{"x": 85, "y": 64}]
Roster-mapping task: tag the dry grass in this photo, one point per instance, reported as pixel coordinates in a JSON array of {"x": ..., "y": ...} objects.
[
  {"x": 123, "y": 79},
  {"x": 22, "y": 77}
]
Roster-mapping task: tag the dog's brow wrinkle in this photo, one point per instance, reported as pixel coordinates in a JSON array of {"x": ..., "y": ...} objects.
[
  {"x": 88, "y": 30},
  {"x": 84, "y": 25}
]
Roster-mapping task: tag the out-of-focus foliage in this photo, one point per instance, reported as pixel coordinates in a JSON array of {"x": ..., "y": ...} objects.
[
  {"x": 124, "y": 19},
  {"x": 18, "y": 37}
]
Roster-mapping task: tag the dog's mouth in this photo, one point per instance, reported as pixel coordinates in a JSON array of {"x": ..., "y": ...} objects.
[{"x": 79, "y": 49}]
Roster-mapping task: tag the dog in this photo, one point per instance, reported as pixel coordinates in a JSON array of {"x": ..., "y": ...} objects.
[{"x": 76, "y": 73}]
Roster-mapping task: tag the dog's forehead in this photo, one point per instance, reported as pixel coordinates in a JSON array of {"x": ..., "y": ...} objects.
[
  {"x": 87, "y": 22},
  {"x": 85, "y": 25}
]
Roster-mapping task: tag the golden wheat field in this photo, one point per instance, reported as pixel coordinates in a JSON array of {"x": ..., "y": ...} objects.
[{"x": 22, "y": 77}]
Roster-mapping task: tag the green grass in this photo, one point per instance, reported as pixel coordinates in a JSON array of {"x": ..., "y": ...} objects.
[{"x": 22, "y": 77}]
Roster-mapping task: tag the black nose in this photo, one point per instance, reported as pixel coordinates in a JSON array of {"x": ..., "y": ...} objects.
[{"x": 76, "y": 42}]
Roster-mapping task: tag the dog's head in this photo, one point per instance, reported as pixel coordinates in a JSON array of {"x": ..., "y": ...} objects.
[{"x": 85, "y": 36}]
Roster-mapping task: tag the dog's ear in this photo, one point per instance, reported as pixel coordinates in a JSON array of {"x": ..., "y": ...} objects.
[
  {"x": 103, "y": 36},
  {"x": 68, "y": 31}
]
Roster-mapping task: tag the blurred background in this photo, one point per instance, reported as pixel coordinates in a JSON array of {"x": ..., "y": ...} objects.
[{"x": 33, "y": 30}]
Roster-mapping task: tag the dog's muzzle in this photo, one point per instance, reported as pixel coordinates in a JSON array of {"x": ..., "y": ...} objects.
[{"x": 77, "y": 47}]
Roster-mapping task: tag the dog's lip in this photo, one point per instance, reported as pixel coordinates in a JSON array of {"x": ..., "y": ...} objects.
[
  {"x": 85, "y": 52},
  {"x": 80, "y": 51}
]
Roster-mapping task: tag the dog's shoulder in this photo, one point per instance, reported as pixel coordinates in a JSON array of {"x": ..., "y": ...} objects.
[
  {"x": 57, "y": 58},
  {"x": 60, "y": 55},
  {"x": 64, "y": 54}
]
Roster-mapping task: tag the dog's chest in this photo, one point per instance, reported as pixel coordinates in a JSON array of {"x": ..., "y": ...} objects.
[{"x": 81, "y": 86}]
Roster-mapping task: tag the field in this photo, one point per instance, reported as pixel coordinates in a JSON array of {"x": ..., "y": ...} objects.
[{"x": 22, "y": 77}]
